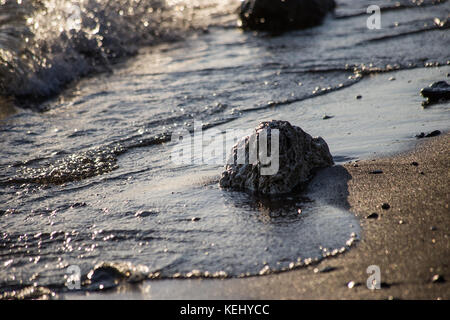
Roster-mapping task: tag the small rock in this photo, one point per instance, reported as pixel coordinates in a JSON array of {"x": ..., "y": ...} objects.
[
  {"x": 439, "y": 90},
  {"x": 414, "y": 163},
  {"x": 325, "y": 117},
  {"x": 376, "y": 172},
  {"x": 299, "y": 155},
  {"x": 433, "y": 134},
  {"x": 391, "y": 78},
  {"x": 437, "y": 278},
  {"x": 420, "y": 135},
  {"x": 385, "y": 206},
  {"x": 433, "y": 228},
  {"x": 359, "y": 96},
  {"x": 352, "y": 284},
  {"x": 373, "y": 215},
  {"x": 324, "y": 269},
  {"x": 195, "y": 219}
]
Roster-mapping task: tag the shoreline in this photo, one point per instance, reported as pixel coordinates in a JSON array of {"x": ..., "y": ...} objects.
[{"x": 409, "y": 241}]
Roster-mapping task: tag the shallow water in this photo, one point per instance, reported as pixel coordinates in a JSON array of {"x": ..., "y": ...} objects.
[{"x": 91, "y": 180}]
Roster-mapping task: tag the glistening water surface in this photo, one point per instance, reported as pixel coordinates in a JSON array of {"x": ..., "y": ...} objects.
[{"x": 90, "y": 178}]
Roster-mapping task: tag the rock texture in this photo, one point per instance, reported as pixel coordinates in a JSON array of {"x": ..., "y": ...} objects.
[
  {"x": 282, "y": 15},
  {"x": 299, "y": 156}
]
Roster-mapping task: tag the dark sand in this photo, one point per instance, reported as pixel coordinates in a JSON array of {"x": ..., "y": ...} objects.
[{"x": 409, "y": 241}]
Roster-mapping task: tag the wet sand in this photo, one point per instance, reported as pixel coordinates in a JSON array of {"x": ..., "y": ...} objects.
[{"x": 409, "y": 241}]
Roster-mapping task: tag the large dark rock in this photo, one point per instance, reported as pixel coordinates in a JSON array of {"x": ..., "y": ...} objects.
[
  {"x": 299, "y": 156},
  {"x": 282, "y": 15}
]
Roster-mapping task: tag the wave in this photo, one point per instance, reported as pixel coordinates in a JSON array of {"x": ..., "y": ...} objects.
[{"x": 44, "y": 45}]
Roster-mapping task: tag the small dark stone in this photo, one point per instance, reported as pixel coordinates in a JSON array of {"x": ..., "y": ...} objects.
[
  {"x": 373, "y": 215},
  {"x": 78, "y": 205},
  {"x": 325, "y": 117},
  {"x": 414, "y": 163},
  {"x": 376, "y": 172},
  {"x": 195, "y": 219},
  {"x": 422, "y": 173},
  {"x": 428, "y": 135},
  {"x": 439, "y": 90},
  {"x": 433, "y": 134},
  {"x": 433, "y": 228},
  {"x": 420, "y": 135},
  {"x": 358, "y": 96},
  {"x": 385, "y": 206},
  {"x": 437, "y": 278}
]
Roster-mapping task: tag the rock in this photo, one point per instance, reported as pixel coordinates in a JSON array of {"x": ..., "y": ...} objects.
[
  {"x": 439, "y": 90},
  {"x": 376, "y": 172},
  {"x": 353, "y": 284},
  {"x": 433, "y": 134},
  {"x": 414, "y": 163},
  {"x": 428, "y": 135},
  {"x": 326, "y": 117},
  {"x": 299, "y": 156},
  {"x": 324, "y": 269},
  {"x": 437, "y": 278},
  {"x": 359, "y": 96},
  {"x": 373, "y": 215},
  {"x": 385, "y": 206},
  {"x": 282, "y": 15}
]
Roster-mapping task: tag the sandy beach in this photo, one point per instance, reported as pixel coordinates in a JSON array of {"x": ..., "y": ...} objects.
[{"x": 408, "y": 241}]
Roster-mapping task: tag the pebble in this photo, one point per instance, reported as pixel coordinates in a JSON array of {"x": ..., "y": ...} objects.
[
  {"x": 325, "y": 117},
  {"x": 391, "y": 78},
  {"x": 352, "y": 284},
  {"x": 324, "y": 269},
  {"x": 376, "y": 172},
  {"x": 373, "y": 215},
  {"x": 385, "y": 206},
  {"x": 428, "y": 135},
  {"x": 414, "y": 163},
  {"x": 358, "y": 96},
  {"x": 195, "y": 219},
  {"x": 437, "y": 278}
]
